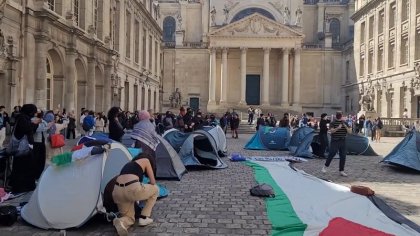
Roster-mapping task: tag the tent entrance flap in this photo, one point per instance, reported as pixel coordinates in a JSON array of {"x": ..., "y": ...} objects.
[{"x": 203, "y": 151}]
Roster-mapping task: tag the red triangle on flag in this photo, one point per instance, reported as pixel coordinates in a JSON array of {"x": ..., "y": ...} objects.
[{"x": 343, "y": 227}]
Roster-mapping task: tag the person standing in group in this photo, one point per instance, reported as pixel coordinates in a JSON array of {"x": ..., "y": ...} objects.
[
  {"x": 116, "y": 130},
  {"x": 250, "y": 116},
  {"x": 260, "y": 121},
  {"x": 3, "y": 121},
  {"x": 323, "y": 137},
  {"x": 179, "y": 120},
  {"x": 224, "y": 122},
  {"x": 379, "y": 126},
  {"x": 285, "y": 122},
  {"x": 339, "y": 130},
  {"x": 234, "y": 125},
  {"x": 71, "y": 127},
  {"x": 99, "y": 123}
]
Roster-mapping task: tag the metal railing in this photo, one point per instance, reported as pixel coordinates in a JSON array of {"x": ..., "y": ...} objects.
[{"x": 399, "y": 121}]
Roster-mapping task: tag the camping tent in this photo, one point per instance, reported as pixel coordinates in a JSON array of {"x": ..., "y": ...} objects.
[
  {"x": 220, "y": 137},
  {"x": 197, "y": 148},
  {"x": 300, "y": 143},
  {"x": 406, "y": 153},
  {"x": 67, "y": 196},
  {"x": 168, "y": 162},
  {"x": 269, "y": 138},
  {"x": 356, "y": 145}
]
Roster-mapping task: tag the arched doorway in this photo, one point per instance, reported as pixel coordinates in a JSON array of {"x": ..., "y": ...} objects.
[
  {"x": 55, "y": 81},
  {"x": 99, "y": 93}
]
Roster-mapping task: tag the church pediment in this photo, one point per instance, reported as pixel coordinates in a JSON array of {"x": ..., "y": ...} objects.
[{"x": 256, "y": 25}]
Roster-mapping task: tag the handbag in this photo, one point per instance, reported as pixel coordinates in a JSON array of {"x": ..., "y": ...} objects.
[
  {"x": 18, "y": 147},
  {"x": 57, "y": 141}
]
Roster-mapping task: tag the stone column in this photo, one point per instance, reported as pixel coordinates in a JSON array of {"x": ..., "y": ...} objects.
[
  {"x": 91, "y": 90},
  {"x": 296, "y": 81},
  {"x": 107, "y": 88},
  {"x": 285, "y": 78},
  {"x": 243, "y": 76},
  {"x": 266, "y": 78},
  {"x": 205, "y": 10},
  {"x": 212, "y": 81},
  {"x": 41, "y": 73},
  {"x": 71, "y": 81},
  {"x": 158, "y": 100},
  {"x": 224, "y": 75},
  {"x": 146, "y": 97}
]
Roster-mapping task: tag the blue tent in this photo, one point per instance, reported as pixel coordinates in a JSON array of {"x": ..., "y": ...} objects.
[
  {"x": 269, "y": 138},
  {"x": 406, "y": 153},
  {"x": 300, "y": 143},
  {"x": 356, "y": 145}
]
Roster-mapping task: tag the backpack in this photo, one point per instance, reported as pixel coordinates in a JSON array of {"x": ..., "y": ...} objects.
[
  {"x": 262, "y": 190},
  {"x": 380, "y": 124},
  {"x": 8, "y": 215}
]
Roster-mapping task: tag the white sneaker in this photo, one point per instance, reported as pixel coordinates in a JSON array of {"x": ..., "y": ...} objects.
[
  {"x": 342, "y": 173},
  {"x": 119, "y": 226},
  {"x": 144, "y": 222},
  {"x": 324, "y": 169}
]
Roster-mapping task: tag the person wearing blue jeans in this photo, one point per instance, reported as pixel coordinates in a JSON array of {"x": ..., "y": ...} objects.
[{"x": 339, "y": 130}]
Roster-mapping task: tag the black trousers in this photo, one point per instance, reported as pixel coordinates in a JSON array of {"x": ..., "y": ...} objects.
[
  {"x": 340, "y": 147},
  {"x": 22, "y": 178},
  {"x": 71, "y": 131},
  {"x": 323, "y": 138},
  {"x": 250, "y": 118},
  {"x": 40, "y": 155}
]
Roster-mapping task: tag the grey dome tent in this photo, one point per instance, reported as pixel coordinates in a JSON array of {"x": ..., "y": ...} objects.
[
  {"x": 219, "y": 137},
  {"x": 300, "y": 143},
  {"x": 356, "y": 145},
  {"x": 197, "y": 148},
  {"x": 68, "y": 196},
  {"x": 406, "y": 153},
  {"x": 168, "y": 162}
]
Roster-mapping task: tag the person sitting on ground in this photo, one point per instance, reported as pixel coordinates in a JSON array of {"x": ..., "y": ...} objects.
[
  {"x": 234, "y": 125},
  {"x": 284, "y": 122},
  {"x": 129, "y": 189}
]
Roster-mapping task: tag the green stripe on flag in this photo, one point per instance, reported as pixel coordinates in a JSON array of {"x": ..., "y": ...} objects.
[{"x": 283, "y": 218}]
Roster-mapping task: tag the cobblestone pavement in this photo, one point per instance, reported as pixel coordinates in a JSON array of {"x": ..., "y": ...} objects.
[{"x": 217, "y": 202}]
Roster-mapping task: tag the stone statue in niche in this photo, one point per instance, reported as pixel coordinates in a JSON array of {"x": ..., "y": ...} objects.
[
  {"x": 226, "y": 11},
  {"x": 179, "y": 18},
  {"x": 2, "y": 43},
  {"x": 286, "y": 15},
  {"x": 213, "y": 16},
  {"x": 298, "y": 14},
  {"x": 175, "y": 99}
]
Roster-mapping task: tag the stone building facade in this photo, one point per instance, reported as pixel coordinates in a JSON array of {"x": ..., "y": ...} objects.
[
  {"x": 280, "y": 55},
  {"x": 387, "y": 56},
  {"x": 77, "y": 54}
]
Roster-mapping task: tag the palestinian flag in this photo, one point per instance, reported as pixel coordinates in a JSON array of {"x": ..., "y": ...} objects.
[{"x": 306, "y": 205}]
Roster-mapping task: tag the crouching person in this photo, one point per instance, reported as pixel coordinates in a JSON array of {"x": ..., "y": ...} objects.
[{"x": 129, "y": 189}]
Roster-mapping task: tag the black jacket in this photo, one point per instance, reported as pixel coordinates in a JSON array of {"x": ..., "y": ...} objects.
[{"x": 116, "y": 130}]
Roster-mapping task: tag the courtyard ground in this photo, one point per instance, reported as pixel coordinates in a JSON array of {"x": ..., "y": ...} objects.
[{"x": 217, "y": 202}]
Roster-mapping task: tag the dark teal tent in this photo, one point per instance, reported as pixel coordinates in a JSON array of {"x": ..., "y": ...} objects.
[
  {"x": 356, "y": 145},
  {"x": 269, "y": 138},
  {"x": 300, "y": 143},
  {"x": 406, "y": 153}
]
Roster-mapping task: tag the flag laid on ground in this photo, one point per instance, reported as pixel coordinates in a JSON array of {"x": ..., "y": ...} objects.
[{"x": 306, "y": 205}]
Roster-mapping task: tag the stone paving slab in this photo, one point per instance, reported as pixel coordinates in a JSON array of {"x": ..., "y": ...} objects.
[{"x": 217, "y": 202}]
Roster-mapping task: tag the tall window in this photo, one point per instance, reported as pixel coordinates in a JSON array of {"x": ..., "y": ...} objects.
[
  {"x": 169, "y": 25},
  {"x": 380, "y": 58},
  {"x": 347, "y": 71},
  {"x": 391, "y": 53},
  {"x": 404, "y": 50},
  {"x": 417, "y": 47},
  {"x": 98, "y": 12},
  {"x": 156, "y": 57},
  {"x": 405, "y": 10},
  {"x": 381, "y": 22},
  {"x": 136, "y": 41},
  {"x": 126, "y": 95},
  {"x": 127, "y": 34},
  {"x": 144, "y": 48},
  {"x": 392, "y": 15},
  {"x": 116, "y": 26},
  {"x": 362, "y": 32},
  {"x": 136, "y": 97},
  {"x": 76, "y": 11},
  {"x": 150, "y": 52},
  {"x": 417, "y": 6},
  {"x": 370, "y": 62},
  {"x": 362, "y": 66},
  {"x": 371, "y": 26},
  {"x": 49, "y": 84},
  {"x": 335, "y": 30}
]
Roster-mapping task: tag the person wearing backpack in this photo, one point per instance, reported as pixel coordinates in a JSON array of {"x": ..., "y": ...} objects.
[
  {"x": 379, "y": 127},
  {"x": 89, "y": 123}
]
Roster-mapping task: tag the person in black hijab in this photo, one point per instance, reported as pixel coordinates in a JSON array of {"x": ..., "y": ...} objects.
[
  {"x": 22, "y": 178},
  {"x": 116, "y": 129}
]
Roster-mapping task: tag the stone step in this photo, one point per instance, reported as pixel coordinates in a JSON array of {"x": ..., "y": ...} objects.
[{"x": 395, "y": 133}]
